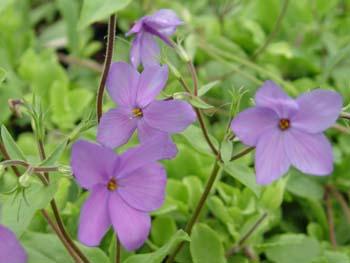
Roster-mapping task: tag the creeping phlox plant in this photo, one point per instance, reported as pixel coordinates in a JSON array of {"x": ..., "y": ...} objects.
[{"x": 122, "y": 176}]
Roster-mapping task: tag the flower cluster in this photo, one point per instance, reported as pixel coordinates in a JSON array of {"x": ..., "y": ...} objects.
[{"x": 125, "y": 188}]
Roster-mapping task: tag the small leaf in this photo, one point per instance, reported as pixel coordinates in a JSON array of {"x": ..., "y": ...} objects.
[
  {"x": 55, "y": 155},
  {"x": 95, "y": 10},
  {"x": 12, "y": 148},
  {"x": 163, "y": 228},
  {"x": 206, "y": 246},
  {"x": 204, "y": 89},
  {"x": 193, "y": 100}
]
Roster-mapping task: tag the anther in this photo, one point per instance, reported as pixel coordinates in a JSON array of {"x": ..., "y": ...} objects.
[{"x": 284, "y": 124}]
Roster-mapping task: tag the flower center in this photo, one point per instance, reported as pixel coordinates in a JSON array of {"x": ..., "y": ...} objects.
[
  {"x": 137, "y": 112},
  {"x": 112, "y": 185},
  {"x": 284, "y": 124}
]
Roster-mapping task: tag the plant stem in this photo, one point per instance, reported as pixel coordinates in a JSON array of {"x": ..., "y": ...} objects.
[
  {"x": 345, "y": 115},
  {"x": 341, "y": 200},
  {"x": 330, "y": 218},
  {"x": 117, "y": 254},
  {"x": 242, "y": 153},
  {"x": 106, "y": 66},
  {"x": 274, "y": 31},
  {"x": 7, "y": 157},
  {"x": 90, "y": 64},
  {"x": 242, "y": 240},
  {"x": 194, "y": 77}
]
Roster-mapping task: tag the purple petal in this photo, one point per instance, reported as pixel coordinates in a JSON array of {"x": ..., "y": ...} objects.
[
  {"x": 250, "y": 124},
  {"x": 91, "y": 163},
  {"x": 154, "y": 149},
  {"x": 122, "y": 83},
  {"x": 135, "y": 51},
  {"x": 318, "y": 110},
  {"x": 94, "y": 217},
  {"x": 132, "y": 226},
  {"x": 310, "y": 153},
  {"x": 164, "y": 21},
  {"x": 169, "y": 116},
  {"x": 150, "y": 52},
  {"x": 152, "y": 81},
  {"x": 144, "y": 188},
  {"x": 116, "y": 127},
  {"x": 271, "y": 160},
  {"x": 146, "y": 132},
  {"x": 272, "y": 96},
  {"x": 11, "y": 250},
  {"x": 137, "y": 27}
]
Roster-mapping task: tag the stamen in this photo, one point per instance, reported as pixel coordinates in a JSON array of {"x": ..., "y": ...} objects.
[
  {"x": 284, "y": 124},
  {"x": 137, "y": 112},
  {"x": 112, "y": 185}
]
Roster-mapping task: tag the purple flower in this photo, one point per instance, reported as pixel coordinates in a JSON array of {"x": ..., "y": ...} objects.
[
  {"x": 123, "y": 190},
  {"x": 289, "y": 132},
  {"x": 135, "y": 95},
  {"x": 11, "y": 250},
  {"x": 144, "y": 48}
]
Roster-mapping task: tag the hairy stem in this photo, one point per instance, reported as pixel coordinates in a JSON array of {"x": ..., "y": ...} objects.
[
  {"x": 194, "y": 76},
  {"x": 117, "y": 254},
  {"x": 274, "y": 31},
  {"x": 106, "y": 66}
]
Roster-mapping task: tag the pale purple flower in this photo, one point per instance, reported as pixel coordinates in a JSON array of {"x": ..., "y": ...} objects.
[
  {"x": 135, "y": 95},
  {"x": 11, "y": 250},
  {"x": 144, "y": 48},
  {"x": 123, "y": 190},
  {"x": 289, "y": 132}
]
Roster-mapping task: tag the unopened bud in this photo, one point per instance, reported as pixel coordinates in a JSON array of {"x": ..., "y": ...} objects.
[{"x": 25, "y": 178}]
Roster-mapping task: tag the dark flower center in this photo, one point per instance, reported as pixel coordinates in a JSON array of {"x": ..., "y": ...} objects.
[
  {"x": 112, "y": 185},
  {"x": 137, "y": 112},
  {"x": 284, "y": 124}
]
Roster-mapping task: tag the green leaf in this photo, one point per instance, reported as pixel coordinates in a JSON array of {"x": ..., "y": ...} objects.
[
  {"x": 337, "y": 257},
  {"x": 12, "y": 148},
  {"x": 163, "y": 228},
  {"x": 160, "y": 254},
  {"x": 291, "y": 248},
  {"x": 55, "y": 155},
  {"x": 18, "y": 212},
  {"x": 272, "y": 196},
  {"x": 207, "y": 87},
  {"x": 243, "y": 174},
  {"x": 193, "y": 100},
  {"x": 95, "y": 10},
  {"x": 206, "y": 246},
  {"x": 194, "y": 189}
]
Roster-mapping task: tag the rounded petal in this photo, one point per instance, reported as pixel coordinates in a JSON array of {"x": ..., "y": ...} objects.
[
  {"x": 164, "y": 21},
  {"x": 11, "y": 250},
  {"x": 146, "y": 132},
  {"x": 94, "y": 217},
  {"x": 154, "y": 149},
  {"x": 150, "y": 52},
  {"x": 250, "y": 124},
  {"x": 310, "y": 153},
  {"x": 91, "y": 163},
  {"x": 170, "y": 116},
  {"x": 272, "y": 96},
  {"x": 318, "y": 110},
  {"x": 271, "y": 160},
  {"x": 122, "y": 83},
  {"x": 116, "y": 127},
  {"x": 135, "y": 51},
  {"x": 152, "y": 81},
  {"x": 132, "y": 226},
  {"x": 144, "y": 188}
]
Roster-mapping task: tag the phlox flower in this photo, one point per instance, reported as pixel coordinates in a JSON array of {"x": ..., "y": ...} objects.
[
  {"x": 138, "y": 109},
  {"x": 11, "y": 250},
  {"x": 288, "y": 132},
  {"x": 144, "y": 48},
  {"x": 123, "y": 190}
]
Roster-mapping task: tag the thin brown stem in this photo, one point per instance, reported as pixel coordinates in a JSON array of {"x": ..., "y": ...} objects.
[
  {"x": 244, "y": 238},
  {"x": 6, "y": 156},
  {"x": 89, "y": 64},
  {"x": 106, "y": 66},
  {"x": 242, "y": 153},
  {"x": 117, "y": 254},
  {"x": 345, "y": 115},
  {"x": 274, "y": 31},
  {"x": 194, "y": 76},
  {"x": 330, "y": 217},
  {"x": 341, "y": 200}
]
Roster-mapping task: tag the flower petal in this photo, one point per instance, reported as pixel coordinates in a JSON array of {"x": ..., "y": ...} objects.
[
  {"x": 271, "y": 160},
  {"x": 164, "y": 21},
  {"x": 152, "y": 81},
  {"x": 170, "y": 116},
  {"x": 132, "y": 226},
  {"x": 310, "y": 153},
  {"x": 116, "y": 127},
  {"x": 11, "y": 250},
  {"x": 150, "y": 52},
  {"x": 135, "y": 51},
  {"x": 154, "y": 149},
  {"x": 146, "y": 132},
  {"x": 122, "y": 83},
  {"x": 94, "y": 217},
  {"x": 272, "y": 96},
  {"x": 318, "y": 110},
  {"x": 250, "y": 124},
  {"x": 91, "y": 163},
  {"x": 144, "y": 188}
]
